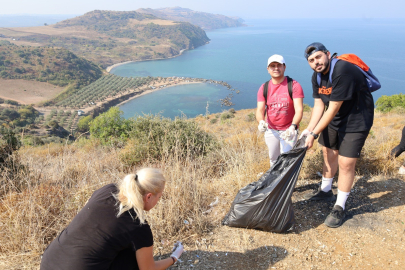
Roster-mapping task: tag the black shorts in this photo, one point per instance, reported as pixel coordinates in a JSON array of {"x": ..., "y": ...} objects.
[{"x": 349, "y": 144}]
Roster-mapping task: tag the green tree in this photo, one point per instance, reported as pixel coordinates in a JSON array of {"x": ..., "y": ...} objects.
[
  {"x": 9, "y": 114},
  {"x": 28, "y": 112},
  {"x": 53, "y": 124},
  {"x": 110, "y": 126},
  {"x": 84, "y": 123}
]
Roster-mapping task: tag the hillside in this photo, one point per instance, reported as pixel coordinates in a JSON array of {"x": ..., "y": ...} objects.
[
  {"x": 206, "y": 161},
  {"x": 110, "y": 37},
  {"x": 207, "y": 21},
  {"x": 56, "y": 66}
]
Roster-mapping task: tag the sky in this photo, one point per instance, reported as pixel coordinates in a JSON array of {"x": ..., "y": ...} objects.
[{"x": 246, "y": 9}]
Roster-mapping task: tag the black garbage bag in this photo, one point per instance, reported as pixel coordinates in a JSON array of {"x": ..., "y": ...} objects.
[{"x": 266, "y": 204}]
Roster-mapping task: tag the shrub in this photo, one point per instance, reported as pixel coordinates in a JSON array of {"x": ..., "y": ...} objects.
[
  {"x": 251, "y": 117},
  {"x": 9, "y": 114},
  {"x": 226, "y": 115},
  {"x": 9, "y": 162},
  {"x": 53, "y": 124},
  {"x": 398, "y": 110},
  {"x": 11, "y": 102},
  {"x": 307, "y": 108},
  {"x": 110, "y": 126},
  {"x": 387, "y": 103},
  {"x": 84, "y": 123},
  {"x": 213, "y": 120},
  {"x": 155, "y": 137}
]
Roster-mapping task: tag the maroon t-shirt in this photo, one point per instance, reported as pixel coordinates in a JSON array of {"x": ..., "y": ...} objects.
[
  {"x": 280, "y": 107},
  {"x": 96, "y": 238}
]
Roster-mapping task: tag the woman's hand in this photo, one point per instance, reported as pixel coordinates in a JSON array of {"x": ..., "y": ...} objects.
[{"x": 177, "y": 250}]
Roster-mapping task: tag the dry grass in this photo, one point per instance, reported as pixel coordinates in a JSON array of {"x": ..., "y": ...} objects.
[
  {"x": 49, "y": 184},
  {"x": 28, "y": 92},
  {"x": 78, "y": 31}
]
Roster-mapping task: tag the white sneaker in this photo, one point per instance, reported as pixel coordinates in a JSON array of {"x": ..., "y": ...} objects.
[{"x": 401, "y": 170}]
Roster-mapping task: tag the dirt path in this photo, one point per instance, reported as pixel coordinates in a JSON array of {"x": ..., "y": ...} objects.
[{"x": 372, "y": 236}]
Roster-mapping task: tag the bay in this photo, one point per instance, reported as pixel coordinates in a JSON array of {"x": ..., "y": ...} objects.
[
  {"x": 239, "y": 57},
  {"x": 177, "y": 101}
]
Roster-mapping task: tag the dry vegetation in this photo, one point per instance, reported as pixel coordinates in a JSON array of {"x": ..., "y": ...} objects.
[
  {"x": 111, "y": 37},
  {"x": 42, "y": 188},
  {"x": 28, "y": 92}
]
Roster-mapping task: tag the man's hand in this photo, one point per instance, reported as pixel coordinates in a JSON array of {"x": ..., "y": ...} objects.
[
  {"x": 305, "y": 132},
  {"x": 289, "y": 134},
  {"x": 309, "y": 141},
  {"x": 262, "y": 127}
]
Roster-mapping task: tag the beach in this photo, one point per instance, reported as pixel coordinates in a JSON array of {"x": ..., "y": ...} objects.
[
  {"x": 133, "y": 95},
  {"x": 154, "y": 90}
]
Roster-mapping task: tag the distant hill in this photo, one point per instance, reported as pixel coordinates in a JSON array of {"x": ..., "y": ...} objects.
[
  {"x": 57, "y": 66},
  {"x": 110, "y": 37},
  {"x": 205, "y": 20}
]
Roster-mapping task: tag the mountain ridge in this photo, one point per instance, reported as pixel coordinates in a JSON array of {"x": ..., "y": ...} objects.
[
  {"x": 206, "y": 21},
  {"x": 111, "y": 37}
]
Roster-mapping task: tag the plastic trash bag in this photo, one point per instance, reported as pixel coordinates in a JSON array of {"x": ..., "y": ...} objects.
[{"x": 266, "y": 204}]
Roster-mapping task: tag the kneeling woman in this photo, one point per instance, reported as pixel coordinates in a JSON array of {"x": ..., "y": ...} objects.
[{"x": 110, "y": 232}]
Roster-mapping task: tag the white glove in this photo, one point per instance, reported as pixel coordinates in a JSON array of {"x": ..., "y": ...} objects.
[
  {"x": 177, "y": 250},
  {"x": 262, "y": 126},
  {"x": 304, "y": 133},
  {"x": 289, "y": 134}
]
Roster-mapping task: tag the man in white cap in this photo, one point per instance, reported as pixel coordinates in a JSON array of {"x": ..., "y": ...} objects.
[{"x": 281, "y": 99}]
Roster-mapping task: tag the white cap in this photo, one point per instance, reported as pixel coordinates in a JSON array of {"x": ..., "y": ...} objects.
[{"x": 275, "y": 58}]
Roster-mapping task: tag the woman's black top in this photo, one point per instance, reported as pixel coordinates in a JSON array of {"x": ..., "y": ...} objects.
[{"x": 96, "y": 238}]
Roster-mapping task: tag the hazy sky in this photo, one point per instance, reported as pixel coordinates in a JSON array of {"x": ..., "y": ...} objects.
[{"x": 247, "y": 9}]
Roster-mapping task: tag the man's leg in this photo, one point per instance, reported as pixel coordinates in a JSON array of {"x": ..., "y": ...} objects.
[
  {"x": 330, "y": 165},
  {"x": 345, "y": 183},
  {"x": 272, "y": 139},
  {"x": 349, "y": 151},
  {"x": 330, "y": 162},
  {"x": 346, "y": 173}
]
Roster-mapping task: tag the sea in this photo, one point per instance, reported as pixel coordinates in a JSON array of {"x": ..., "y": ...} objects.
[{"x": 239, "y": 56}]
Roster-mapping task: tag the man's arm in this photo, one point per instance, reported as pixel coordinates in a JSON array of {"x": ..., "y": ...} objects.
[
  {"x": 317, "y": 112},
  {"x": 261, "y": 107},
  {"x": 327, "y": 117},
  {"x": 299, "y": 110}
]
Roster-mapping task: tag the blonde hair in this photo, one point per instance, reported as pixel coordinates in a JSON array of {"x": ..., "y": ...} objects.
[{"x": 134, "y": 186}]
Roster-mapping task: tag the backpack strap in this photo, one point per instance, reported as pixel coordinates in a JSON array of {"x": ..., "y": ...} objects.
[
  {"x": 290, "y": 88},
  {"x": 265, "y": 89}
]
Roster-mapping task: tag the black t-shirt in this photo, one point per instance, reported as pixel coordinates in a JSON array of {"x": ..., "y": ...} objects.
[
  {"x": 96, "y": 236},
  {"x": 348, "y": 85}
]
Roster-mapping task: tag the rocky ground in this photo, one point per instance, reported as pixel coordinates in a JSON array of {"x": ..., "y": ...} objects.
[{"x": 372, "y": 236}]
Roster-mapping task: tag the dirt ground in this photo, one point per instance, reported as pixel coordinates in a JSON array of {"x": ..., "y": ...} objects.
[
  {"x": 372, "y": 236},
  {"x": 28, "y": 92}
]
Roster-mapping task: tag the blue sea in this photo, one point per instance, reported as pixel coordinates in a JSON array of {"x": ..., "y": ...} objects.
[{"x": 239, "y": 57}]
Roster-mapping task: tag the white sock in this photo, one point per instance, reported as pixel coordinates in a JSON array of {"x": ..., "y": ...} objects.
[
  {"x": 341, "y": 198},
  {"x": 326, "y": 184}
]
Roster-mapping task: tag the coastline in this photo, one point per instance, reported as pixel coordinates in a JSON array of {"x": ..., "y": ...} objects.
[
  {"x": 154, "y": 90},
  {"x": 109, "y": 68}
]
